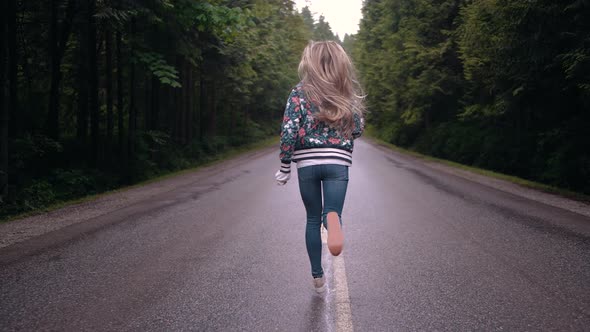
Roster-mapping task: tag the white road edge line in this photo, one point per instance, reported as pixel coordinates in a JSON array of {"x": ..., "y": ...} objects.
[{"x": 341, "y": 296}]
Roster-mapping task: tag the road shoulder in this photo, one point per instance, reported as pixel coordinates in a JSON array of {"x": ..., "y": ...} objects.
[
  {"x": 499, "y": 184},
  {"x": 20, "y": 230}
]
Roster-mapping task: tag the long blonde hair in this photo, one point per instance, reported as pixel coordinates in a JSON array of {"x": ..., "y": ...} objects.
[{"x": 329, "y": 81}]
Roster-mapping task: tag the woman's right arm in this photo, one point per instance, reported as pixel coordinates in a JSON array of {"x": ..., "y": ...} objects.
[{"x": 359, "y": 126}]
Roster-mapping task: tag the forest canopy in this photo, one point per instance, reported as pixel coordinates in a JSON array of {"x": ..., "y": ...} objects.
[
  {"x": 97, "y": 94},
  {"x": 499, "y": 84}
]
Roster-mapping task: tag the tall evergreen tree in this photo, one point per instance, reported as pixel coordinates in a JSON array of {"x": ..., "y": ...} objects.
[
  {"x": 479, "y": 82},
  {"x": 191, "y": 78}
]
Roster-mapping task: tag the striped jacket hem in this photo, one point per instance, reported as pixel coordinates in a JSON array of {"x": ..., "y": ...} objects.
[{"x": 323, "y": 155}]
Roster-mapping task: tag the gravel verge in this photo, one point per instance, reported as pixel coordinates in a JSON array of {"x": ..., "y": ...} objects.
[{"x": 19, "y": 230}]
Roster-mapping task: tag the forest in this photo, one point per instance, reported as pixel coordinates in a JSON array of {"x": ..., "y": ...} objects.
[
  {"x": 99, "y": 94},
  {"x": 502, "y": 85}
]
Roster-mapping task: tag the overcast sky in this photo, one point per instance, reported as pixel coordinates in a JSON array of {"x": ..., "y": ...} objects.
[{"x": 343, "y": 15}]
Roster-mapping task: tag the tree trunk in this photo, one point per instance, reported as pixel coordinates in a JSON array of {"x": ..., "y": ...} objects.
[
  {"x": 120, "y": 128},
  {"x": 53, "y": 114},
  {"x": 166, "y": 100},
  {"x": 109, "y": 85},
  {"x": 154, "y": 117},
  {"x": 202, "y": 102},
  {"x": 82, "y": 116},
  {"x": 175, "y": 117},
  {"x": 4, "y": 118},
  {"x": 147, "y": 101},
  {"x": 212, "y": 111},
  {"x": 178, "y": 102},
  {"x": 245, "y": 136},
  {"x": 132, "y": 114},
  {"x": 93, "y": 85},
  {"x": 12, "y": 61},
  {"x": 184, "y": 107},
  {"x": 190, "y": 107},
  {"x": 57, "y": 47},
  {"x": 232, "y": 121}
]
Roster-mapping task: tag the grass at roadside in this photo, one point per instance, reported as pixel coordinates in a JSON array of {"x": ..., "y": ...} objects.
[
  {"x": 212, "y": 160},
  {"x": 513, "y": 179}
]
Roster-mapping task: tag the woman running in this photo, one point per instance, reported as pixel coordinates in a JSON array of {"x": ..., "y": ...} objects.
[{"x": 323, "y": 116}]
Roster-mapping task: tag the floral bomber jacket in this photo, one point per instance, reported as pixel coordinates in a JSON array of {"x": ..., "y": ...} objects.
[{"x": 308, "y": 141}]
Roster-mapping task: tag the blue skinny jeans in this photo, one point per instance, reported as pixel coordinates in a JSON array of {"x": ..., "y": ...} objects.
[{"x": 333, "y": 179}]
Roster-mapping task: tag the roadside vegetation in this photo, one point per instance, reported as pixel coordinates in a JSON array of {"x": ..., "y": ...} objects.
[
  {"x": 502, "y": 85},
  {"x": 101, "y": 94}
]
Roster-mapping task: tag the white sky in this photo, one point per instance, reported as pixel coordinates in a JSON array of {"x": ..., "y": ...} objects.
[{"x": 343, "y": 15}]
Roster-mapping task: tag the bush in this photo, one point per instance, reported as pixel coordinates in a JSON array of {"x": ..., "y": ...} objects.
[
  {"x": 37, "y": 195},
  {"x": 73, "y": 183},
  {"x": 30, "y": 151}
]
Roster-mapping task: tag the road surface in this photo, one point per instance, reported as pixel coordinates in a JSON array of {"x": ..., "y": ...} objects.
[{"x": 224, "y": 251}]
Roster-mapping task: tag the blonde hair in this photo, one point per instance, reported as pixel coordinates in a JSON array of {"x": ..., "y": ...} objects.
[{"x": 329, "y": 81}]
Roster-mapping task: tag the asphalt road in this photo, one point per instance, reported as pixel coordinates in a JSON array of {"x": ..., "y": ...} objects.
[{"x": 424, "y": 251}]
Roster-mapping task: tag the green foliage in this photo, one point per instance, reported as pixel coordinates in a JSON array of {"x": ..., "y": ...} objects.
[
  {"x": 501, "y": 84},
  {"x": 114, "y": 16},
  {"x": 71, "y": 183},
  {"x": 35, "y": 196},
  {"x": 323, "y": 31},
  {"x": 156, "y": 64},
  {"x": 186, "y": 80},
  {"x": 319, "y": 30},
  {"x": 30, "y": 149},
  {"x": 220, "y": 20},
  {"x": 349, "y": 43},
  {"x": 309, "y": 22}
]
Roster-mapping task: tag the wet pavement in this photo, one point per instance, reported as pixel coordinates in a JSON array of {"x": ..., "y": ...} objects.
[{"x": 425, "y": 250}]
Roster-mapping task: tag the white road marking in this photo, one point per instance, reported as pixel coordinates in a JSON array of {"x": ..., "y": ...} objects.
[
  {"x": 343, "y": 311},
  {"x": 341, "y": 297}
]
